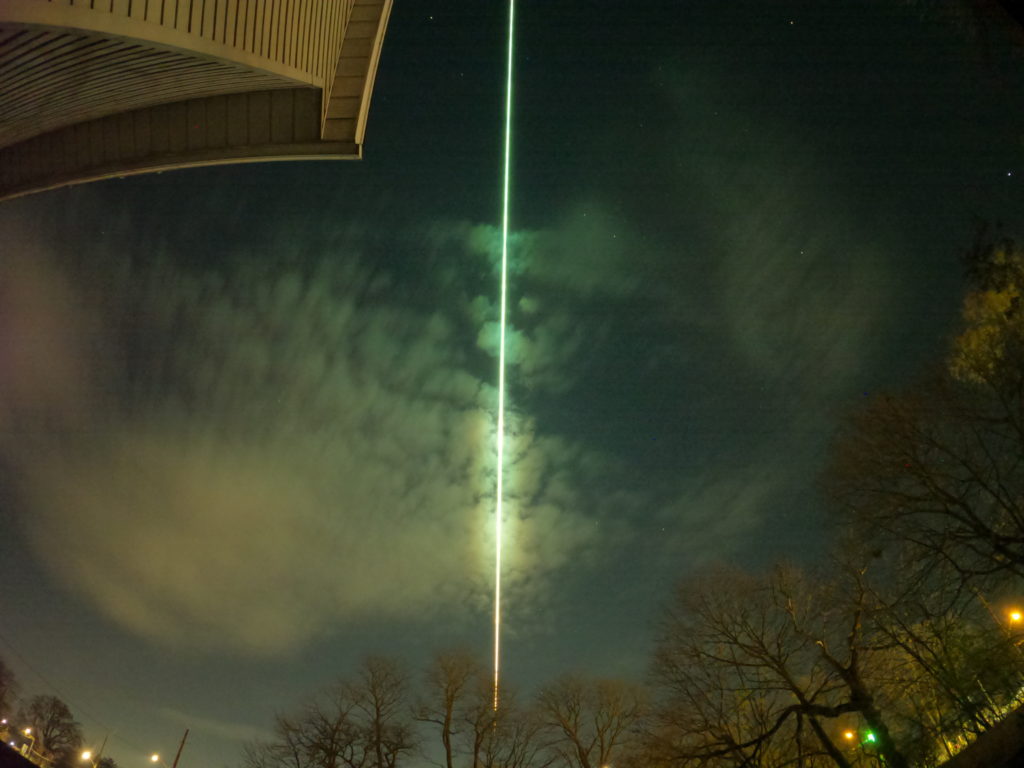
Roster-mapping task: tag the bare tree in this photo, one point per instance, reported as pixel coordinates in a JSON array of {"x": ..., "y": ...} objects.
[
  {"x": 56, "y": 731},
  {"x": 510, "y": 737},
  {"x": 480, "y": 722},
  {"x": 338, "y": 738},
  {"x": 940, "y": 467},
  {"x": 714, "y": 716},
  {"x": 362, "y": 723},
  {"x": 834, "y": 615},
  {"x": 449, "y": 683},
  {"x": 590, "y": 722},
  {"x": 380, "y": 707},
  {"x": 517, "y": 740},
  {"x": 734, "y": 677},
  {"x": 951, "y": 657},
  {"x": 748, "y": 671},
  {"x": 321, "y": 736},
  {"x": 955, "y": 642}
]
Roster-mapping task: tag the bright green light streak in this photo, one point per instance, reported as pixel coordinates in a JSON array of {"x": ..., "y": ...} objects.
[{"x": 501, "y": 362}]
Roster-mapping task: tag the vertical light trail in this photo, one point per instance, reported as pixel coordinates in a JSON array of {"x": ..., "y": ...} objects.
[{"x": 501, "y": 363}]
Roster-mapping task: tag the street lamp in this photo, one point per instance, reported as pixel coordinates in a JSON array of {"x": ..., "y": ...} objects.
[
  {"x": 1015, "y": 625},
  {"x": 32, "y": 739},
  {"x": 155, "y": 758}
]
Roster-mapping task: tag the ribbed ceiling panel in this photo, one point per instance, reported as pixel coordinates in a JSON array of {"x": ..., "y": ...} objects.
[{"x": 51, "y": 79}]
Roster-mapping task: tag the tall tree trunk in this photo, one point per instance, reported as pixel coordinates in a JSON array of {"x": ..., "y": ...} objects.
[
  {"x": 887, "y": 748},
  {"x": 827, "y": 744},
  {"x": 446, "y": 736}
]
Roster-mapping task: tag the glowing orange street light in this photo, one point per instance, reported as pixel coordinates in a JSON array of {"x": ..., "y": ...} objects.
[
  {"x": 1016, "y": 616},
  {"x": 32, "y": 739}
]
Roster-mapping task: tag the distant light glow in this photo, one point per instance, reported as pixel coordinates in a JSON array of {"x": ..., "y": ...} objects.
[
  {"x": 869, "y": 737},
  {"x": 1016, "y": 616},
  {"x": 499, "y": 489}
]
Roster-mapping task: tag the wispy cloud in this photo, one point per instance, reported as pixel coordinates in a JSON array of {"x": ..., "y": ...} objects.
[{"x": 268, "y": 453}]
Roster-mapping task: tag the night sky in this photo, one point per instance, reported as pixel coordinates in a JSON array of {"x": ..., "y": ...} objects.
[{"x": 247, "y": 413}]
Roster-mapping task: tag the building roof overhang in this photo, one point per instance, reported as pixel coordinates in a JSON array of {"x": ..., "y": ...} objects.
[{"x": 137, "y": 86}]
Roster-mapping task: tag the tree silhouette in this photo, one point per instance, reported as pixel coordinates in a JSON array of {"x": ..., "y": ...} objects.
[{"x": 53, "y": 725}]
